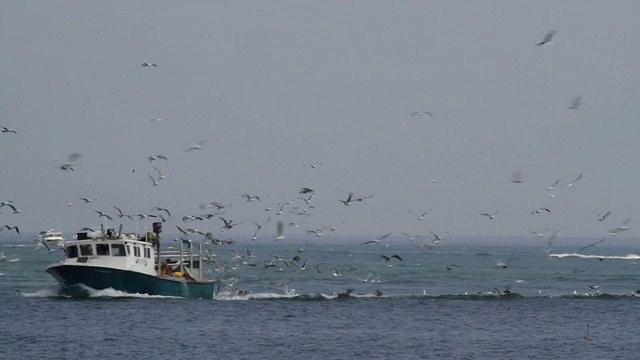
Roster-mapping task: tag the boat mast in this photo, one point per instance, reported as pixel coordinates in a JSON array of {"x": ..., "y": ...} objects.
[{"x": 157, "y": 229}]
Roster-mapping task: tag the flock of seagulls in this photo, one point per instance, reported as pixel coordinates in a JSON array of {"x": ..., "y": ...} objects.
[{"x": 305, "y": 207}]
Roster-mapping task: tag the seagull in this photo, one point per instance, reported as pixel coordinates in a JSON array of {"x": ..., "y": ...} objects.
[
  {"x": 305, "y": 190},
  {"x": 279, "y": 230},
  {"x": 435, "y": 236},
  {"x": 451, "y": 266},
  {"x": 228, "y": 224},
  {"x": 122, "y": 214},
  {"x": 602, "y": 217},
  {"x": 624, "y": 226},
  {"x": 102, "y": 214},
  {"x": 146, "y": 64},
  {"x": 250, "y": 198},
  {"x": 592, "y": 244},
  {"x": 197, "y": 146},
  {"x": 348, "y": 201},
  {"x": 576, "y": 103},
  {"x": 160, "y": 175},
  {"x": 49, "y": 250},
  {"x": 71, "y": 162},
  {"x": 279, "y": 212},
  {"x": 9, "y": 227},
  {"x": 153, "y": 181},
  {"x": 377, "y": 241},
  {"x": 156, "y": 120},
  {"x": 553, "y": 186},
  {"x": 388, "y": 258},
  {"x": 336, "y": 272},
  {"x": 255, "y": 235},
  {"x": 15, "y": 210},
  {"x": 490, "y": 216},
  {"x": 314, "y": 165},
  {"x": 7, "y": 130},
  {"x": 539, "y": 211},
  {"x": 420, "y": 113},
  {"x": 86, "y": 200},
  {"x": 504, "y": 264},
  {"x": 307, "y": 200},
  {"x": 156, "y": 157},
  {"x": 548, "y": 38},
  {"x": 183, "y": 231},
  {"x": 420, "y": 217},
  {"x": 574, "y": 181},
  {"x": 158, "y": 208}
]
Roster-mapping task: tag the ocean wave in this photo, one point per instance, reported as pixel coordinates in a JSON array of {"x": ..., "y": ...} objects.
[
  {"x": 16, "y": 245},
  {"x": 599, "y": 257}
]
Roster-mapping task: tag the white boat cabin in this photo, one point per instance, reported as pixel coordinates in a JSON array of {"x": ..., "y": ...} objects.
[{"x": 128, "y": 252}]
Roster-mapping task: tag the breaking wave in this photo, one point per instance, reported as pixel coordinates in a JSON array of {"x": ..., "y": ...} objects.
[{"x": 584, "y": 256}]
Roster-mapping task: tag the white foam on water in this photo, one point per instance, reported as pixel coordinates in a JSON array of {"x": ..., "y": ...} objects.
[{"x": 584, "y": 256}]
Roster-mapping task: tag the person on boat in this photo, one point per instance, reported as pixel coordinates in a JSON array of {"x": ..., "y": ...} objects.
[{"x": 164, "y": 268}]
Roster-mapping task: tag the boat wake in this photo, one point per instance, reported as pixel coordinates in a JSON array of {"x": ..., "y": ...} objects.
[
  {"x": 85, "y": 292},
  {"x": 599, "y": 257}
]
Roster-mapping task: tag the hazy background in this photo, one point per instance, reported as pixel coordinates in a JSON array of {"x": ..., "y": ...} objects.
[{"x": 273, "y": 86}]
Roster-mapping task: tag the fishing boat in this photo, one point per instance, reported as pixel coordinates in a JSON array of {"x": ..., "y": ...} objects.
[
  {"x": 50, "y": 237},
  {"x": 133, "y": 264}
]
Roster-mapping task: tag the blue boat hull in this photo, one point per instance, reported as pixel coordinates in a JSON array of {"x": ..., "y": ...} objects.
[{"x": 99, "y": 278}]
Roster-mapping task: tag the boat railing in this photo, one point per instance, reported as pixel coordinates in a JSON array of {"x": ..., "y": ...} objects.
[{"x": 188, "y": 260}]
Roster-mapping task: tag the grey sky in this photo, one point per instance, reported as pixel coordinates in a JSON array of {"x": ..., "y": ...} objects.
[{"x": 275, "y": 85}]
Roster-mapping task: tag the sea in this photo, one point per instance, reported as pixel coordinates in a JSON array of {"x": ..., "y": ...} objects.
[{"x": 347, "y": 302}]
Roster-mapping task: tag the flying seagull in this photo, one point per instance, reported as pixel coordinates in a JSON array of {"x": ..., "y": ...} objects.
[
  {"x": 7, "y": 130},
  {"x": 71, "y": 163},
  {"x": 102, "y": 214},
  {"x": 574, "y": 181},
  {"x": 602, "y": 217},
  {"x": 377, "y": 241},
  {"x": 420, "y": 113},
  {"x": 388, "y": 258},
  {"x": 9, "y": 227},
  {"x": 539, "y": 211},
  {"x": 156, "y": 157},
  {"x": 250, "y": 198},
  {"x": 624, "y": 226},
  {"x": 121, "y": 214},
  {"x": 305, "y": 190},
  {"x": 197, "y": 146},
  {"x": 146, "y": 64},
  {"x": 592, "y": 244},
  {"x": 548, "y": 38},
  {"x": 421, "y": 216},
  {"x": 490, "y": 216}
]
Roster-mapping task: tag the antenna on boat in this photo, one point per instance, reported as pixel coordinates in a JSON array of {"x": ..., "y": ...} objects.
[
  {"x": 135, "y": 202},
  {"x": 157, "y": 229}
]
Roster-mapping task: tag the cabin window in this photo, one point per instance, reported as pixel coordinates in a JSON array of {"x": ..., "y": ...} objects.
[
  {"x": 118, "y": 250},
  {"x": 102, "y": 249},
  {"x": 147, "y": 253},
  {"x": 86, "y": 250},
  {"x": 128, "y": 249},
  {"x": 136, "y": 251},
  {"x": 72, "y": 251}
]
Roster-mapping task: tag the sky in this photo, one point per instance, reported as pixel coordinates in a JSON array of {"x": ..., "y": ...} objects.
[{"x": 275, "y": 86}]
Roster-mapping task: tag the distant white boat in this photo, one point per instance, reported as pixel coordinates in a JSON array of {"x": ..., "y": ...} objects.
[{"x": 50, "y": 237}]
